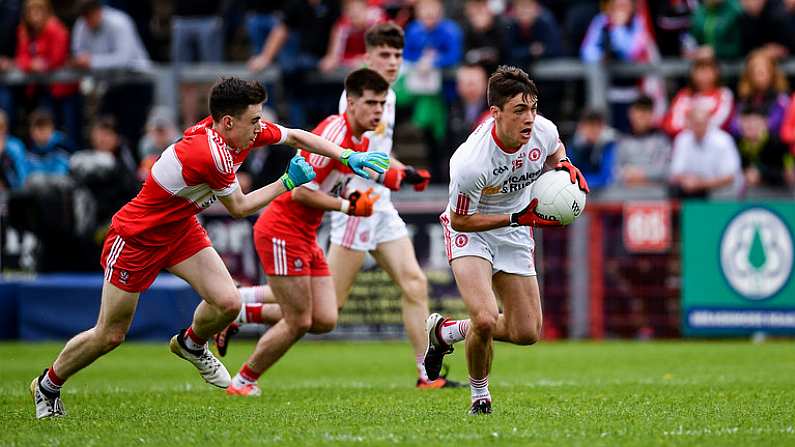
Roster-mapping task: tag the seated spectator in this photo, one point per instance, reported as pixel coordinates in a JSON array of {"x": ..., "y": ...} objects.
[
  {"x": 704, "y": 91},
  {"x": 261, "y": 19},
  {"x": 107, "y": 170},
  {"x": 532, "y": 34},
  {"x": 764, "y": 25},
  {"x": 643, "y": 156},
  {"x": 105, "y": 38},
  {"x": 593, "y": 149},
  {"x": 763, "y": 86},
  {"x": 765, "y": 159},
  {"x": 43, "y": 46},
  {"x": 346, "y": 45},
  {"x": 484, "y": 35},
  {"x": 300, "y": 41},
  {"x": 470, "y": 107},
  {"x": 788, "y": 125},
  {"x": 49, "y": 148},
  {"x": 432, "y": 40},
  {"x": 705, "y": 158},
  {"x": 715, "y": 28},
  {"x": 161, "y": 132},
  {"x": 619, "y": 34},
  {"x": 13, "y": 166}
]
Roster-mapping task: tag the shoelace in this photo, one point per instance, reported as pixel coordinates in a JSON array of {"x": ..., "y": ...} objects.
[{"x": 208, "y": 361}]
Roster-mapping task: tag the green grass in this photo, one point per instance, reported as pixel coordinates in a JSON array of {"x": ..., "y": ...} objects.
[{"x": 324, "y": 393}]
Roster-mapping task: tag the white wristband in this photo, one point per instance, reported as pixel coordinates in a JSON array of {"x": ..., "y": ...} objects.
[{"x": 345, "y": 206}]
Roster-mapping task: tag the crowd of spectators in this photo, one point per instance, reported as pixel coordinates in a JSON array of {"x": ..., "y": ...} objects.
[{"x": 714, "y": 134}]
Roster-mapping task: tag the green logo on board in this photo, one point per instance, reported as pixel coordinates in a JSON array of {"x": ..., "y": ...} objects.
[{"x": 756, "y": 253}]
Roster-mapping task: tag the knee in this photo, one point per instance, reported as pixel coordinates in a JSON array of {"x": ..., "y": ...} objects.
[
  {"x": 415, "y": 288},
  {"x": 300, "y": 324},
  {"x": 525, "y": 337},
  {"x": 229, "y": 304},
  {"x": 323, "y": 324},
  {"x": 484, "y": 323},
  {"x": 110, "y": 338}
]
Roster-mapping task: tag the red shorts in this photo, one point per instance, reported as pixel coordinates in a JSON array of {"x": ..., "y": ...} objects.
[
  {"x": 283, "y": 255},
  {"x": 132, "y": 266}
]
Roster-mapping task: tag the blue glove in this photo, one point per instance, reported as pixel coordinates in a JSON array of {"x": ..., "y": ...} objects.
[
  {"x": 298, "y": 173},
  {"x": 357, "y": 161}
]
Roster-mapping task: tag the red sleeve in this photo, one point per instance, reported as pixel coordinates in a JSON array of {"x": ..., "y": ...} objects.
[
  {"x": 59, "y": 45},
  {"x": 22, "y": 58},
  {"x": 271, "y": 134},
  {"x": 321, "y": 164},
  {"x": 788, "y": 126},
  {"x": 204, "y": 160},
  {"x": 668, "y": 121}
]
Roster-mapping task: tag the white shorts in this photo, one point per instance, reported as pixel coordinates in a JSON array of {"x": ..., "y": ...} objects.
[
  {"x": 508, "y": 249},
  {"x": 365, "y": 233}
]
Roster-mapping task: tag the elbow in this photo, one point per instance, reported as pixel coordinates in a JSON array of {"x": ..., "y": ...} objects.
[
  {"x": 458, "y": 224},
  {"x": 238, "y": 214}
]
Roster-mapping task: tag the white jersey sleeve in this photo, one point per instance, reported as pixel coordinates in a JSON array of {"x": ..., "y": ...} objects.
[
  {"x": 466, "y": 187},
  {"x": 547, "y": 133}
]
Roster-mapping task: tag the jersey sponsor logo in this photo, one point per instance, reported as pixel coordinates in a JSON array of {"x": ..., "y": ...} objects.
[
  {"x": 535, "y": 154},
  {"x": 499, "y": 170},
  {"x": 517, "y": 164},
  {"x": 461, "y": 240},
  {"x": 756, "y": 253},
  {"x": 518, "y": 182},
  {"x": 491, "y": 190},
  {"x": 208, "y": 202}
]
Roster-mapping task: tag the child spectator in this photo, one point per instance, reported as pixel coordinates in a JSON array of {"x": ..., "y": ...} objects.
[
  {"x": 704, "y": 91},
  {"x": 49, "y": 148},
  {"x": 765, "y": 159},
  {"x": 593, "y": 149},
  {"x": 13, "y": 166},
  {"x": 643, "y": 155}
]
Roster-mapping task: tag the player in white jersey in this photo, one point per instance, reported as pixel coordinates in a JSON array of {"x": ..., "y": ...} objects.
[
  {"x": 383, "y": 234},
  {"x": 488, "y": 229}
]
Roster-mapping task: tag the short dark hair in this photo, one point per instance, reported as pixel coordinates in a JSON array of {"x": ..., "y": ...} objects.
[
  {"x": 386, "y": 34},
  {"x": 643, "y": 102},
  {"x": 41, "y": 117},
  {"x": 593, "y": 116},
  {"x": 749, "y": 108},
  {"x": 365, "y": 79},
  {"x": 86, "y": 6},
  {"x": 232, "y": 96},
  {"x": 105, "y": 122},
  {"x": 508, "y": 82}
]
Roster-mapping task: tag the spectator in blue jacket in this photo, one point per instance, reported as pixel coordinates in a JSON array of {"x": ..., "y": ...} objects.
[
  {"x": 432, "y": 39},
  {"x": 532, "y": 34},
  {"x": 13, "y": 166},
  {"x": 593, "y": 150},
  {"x": 49, "y": 148}
]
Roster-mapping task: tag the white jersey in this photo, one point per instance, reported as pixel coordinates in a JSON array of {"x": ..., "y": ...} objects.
[
  {"x": 487, "y": 178},
  {"x": 380, "y": 141}
]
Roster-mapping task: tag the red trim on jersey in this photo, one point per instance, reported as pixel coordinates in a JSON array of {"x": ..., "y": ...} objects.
[
  {"x": 500, "y": 144},
  {"x": 447, "y": 240},
  {"x": 462, "y": 204}
]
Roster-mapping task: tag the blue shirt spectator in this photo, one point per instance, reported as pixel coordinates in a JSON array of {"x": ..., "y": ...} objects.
[
  {"x": 432, "y": 37},
  {"x": 13, "y": 166},
  {"x": 49, "y": 148},
  {"x": 593, "y": 149}
]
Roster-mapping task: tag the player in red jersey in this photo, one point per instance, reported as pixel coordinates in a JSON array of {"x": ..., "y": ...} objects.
[
  {"x": 158, "y": 230},
  {"x": 285, "y": 235}
]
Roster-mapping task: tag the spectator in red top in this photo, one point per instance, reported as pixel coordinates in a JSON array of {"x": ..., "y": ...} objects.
[
  {"x": 704, "y": 92},
  {"x": 43, "y": 46},
  {"x": 346, "y": 44}
]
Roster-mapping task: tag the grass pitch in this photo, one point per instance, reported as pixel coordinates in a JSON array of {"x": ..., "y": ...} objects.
[{"x": 343, "y": 394}]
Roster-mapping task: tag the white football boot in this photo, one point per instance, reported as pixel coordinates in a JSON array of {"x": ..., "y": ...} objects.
[
  {"x": 211, "y": 369},
  {"x": 46, "y": 407}
]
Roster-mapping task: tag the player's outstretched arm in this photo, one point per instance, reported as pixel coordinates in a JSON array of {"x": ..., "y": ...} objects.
[
  {"x": 241, "y": 205},
  {"x": 358, "y": 162}
]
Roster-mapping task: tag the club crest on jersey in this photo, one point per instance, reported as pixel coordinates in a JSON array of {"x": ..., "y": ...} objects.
[
  {"x": 461, "y": 240},
  {"x": 535, "y": 154},
  {"x": 364, "y": 237},
  {"x": 124, "y": 276},
  {"x": 298, "y": 264}
]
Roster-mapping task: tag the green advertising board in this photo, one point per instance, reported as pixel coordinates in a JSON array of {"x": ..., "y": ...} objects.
[{"x": 737, "y": 267}]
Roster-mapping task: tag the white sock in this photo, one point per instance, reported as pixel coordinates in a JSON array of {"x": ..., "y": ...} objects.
[
  {"x": 192, "y": 344},
  {"x": 421, "y": 368},
  {"x": 239, "y": 381},
  {"x": 453, "y": 331},
  {"x": 254, "y": 294},
  {"x": 479, "y": 388},
  {"x": 49, "y": 386}
]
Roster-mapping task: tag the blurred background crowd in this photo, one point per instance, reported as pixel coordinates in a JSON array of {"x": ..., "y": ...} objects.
[{"x": 80, "y": 143}]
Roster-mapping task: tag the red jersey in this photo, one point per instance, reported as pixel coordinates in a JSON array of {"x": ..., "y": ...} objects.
[
  {"x": 285, "y": 216},
  {"x": 187, "y": 178}
]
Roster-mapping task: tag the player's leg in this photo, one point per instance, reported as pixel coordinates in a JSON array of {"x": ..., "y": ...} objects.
[
  {"x": 115, "y": 316},
  {"x": 206, "y": 273},
  {"x": 345, "y": 263},
  {"x": 473, "y": 276},
  {"x": 397, "y": 258},
  {"x": 324, "y": 305},
  {"x": 521, "y": 320},
  {"x": 294, "y": 295}
]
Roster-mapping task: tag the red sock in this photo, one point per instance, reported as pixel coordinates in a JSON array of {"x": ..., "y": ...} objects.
[
  {"x": 254, "y": 313},
  {"x": 54, "y": 377},
  {"x": 249, "y": 374},
  {"x": 195, "y": 338}
]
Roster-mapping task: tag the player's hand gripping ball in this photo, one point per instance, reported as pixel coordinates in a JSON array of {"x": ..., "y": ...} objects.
[
  {"x": 557, "y": 197},
  {"x": 298, "y": 173},
  {"x": 358, "y": 161}
]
